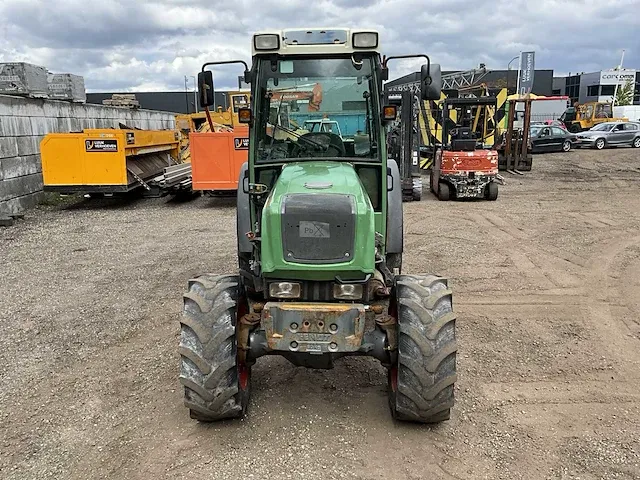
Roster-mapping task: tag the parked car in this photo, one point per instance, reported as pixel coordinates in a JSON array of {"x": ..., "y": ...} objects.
[
  {"x": 611, "y": 134},
  {"x": 551, "y": 139}
]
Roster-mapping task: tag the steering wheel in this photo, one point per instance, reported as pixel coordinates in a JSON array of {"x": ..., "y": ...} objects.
[{"x": 331, "y": 142}]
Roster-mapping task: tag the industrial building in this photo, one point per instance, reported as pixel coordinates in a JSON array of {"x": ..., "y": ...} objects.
[{"x": 596, "y": 86}]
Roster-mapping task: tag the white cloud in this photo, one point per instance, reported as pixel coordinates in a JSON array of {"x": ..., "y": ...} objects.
[{"x": 151, "y": 45}]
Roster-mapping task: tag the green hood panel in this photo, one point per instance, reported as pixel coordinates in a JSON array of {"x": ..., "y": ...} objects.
[{"x": 330, "y": 182}]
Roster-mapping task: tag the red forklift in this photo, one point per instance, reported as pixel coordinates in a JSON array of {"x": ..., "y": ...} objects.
[{"x": 464, "y": 165}]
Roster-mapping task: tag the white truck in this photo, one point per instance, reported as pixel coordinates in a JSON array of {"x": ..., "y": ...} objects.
[{"x": 632, "y": 112}]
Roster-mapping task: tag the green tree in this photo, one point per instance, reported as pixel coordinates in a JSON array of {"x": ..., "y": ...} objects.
[{"x": 624, "y": 95}]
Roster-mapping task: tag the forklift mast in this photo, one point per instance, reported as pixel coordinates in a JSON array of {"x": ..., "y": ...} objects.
[{"x": 403, "y": 142}]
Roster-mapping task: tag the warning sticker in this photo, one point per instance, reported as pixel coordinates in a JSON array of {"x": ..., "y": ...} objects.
[
  {"x": 101, "y": 145},
  {"x": 314, "y": 230},
  {"x": 241, "y": 143}
]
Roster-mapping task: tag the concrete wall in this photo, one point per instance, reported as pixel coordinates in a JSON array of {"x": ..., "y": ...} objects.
[{"x": 25, "y": 121}]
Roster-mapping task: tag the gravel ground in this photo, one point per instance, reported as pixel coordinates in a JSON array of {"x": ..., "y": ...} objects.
[{"x": 547, "y": 291}]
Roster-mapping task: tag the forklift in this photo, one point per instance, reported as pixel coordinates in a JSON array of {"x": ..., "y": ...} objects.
[
  {"x": 403, "y": 143},
  {"x": 464, "y": 165}
]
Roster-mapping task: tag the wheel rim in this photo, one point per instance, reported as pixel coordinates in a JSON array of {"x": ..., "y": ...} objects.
[
  {"x": 600, "y": 144},
  {"x": 636, "y": 143},
  {"x": 566, "y": 146},
  {"x": 393, "y": 378}
]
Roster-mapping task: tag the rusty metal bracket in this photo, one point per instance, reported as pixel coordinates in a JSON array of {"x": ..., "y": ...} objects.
[
  {"x": 389, "y": 325},
  {"x": 246, "y": 323}
]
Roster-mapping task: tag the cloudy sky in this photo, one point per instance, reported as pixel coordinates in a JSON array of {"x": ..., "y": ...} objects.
[{"x": 145, "y": 45}]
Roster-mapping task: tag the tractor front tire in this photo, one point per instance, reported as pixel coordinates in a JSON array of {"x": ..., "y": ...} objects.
[
  {"x": 421, "y": 384},
  {"x": 216, "y": 386}
]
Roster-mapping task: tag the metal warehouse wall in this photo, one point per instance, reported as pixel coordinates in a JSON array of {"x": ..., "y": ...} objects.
[
  {"x": 163, "y": 101},
  {"x": 25, "y": 121}
]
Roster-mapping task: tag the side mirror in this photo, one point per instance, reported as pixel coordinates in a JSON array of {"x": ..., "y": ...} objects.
[
  {"x": 430, "y": 82},
  {"x": 389, "y": 180},
  {"x": 205, "y": 84}
]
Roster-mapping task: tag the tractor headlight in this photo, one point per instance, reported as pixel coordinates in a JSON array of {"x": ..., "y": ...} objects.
[
  {"x": 347, "y": 291},
  {"x": 284, "y": 290},
  {"x": 365, "y": 40},
  {"x": 269, "y": 41}
]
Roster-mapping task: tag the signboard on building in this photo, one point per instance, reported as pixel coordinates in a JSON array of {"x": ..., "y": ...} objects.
[
  {"x": 611, "y": 77},
  {"x": 527, "y": 70}
]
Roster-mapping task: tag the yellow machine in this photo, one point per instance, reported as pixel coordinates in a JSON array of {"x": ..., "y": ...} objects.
[
  {"x": 585, "y": 116},
  {"x": 108, "y": 161}
]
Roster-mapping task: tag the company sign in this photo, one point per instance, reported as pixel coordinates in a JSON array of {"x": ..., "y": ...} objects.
[
  {"x": 611, "y": 77},
  {"x": 527, "y": 70}
]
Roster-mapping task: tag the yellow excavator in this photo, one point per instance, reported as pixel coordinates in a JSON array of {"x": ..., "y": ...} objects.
[{"x": 584, "y": 116}]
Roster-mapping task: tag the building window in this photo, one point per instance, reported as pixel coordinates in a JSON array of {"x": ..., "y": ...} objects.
[
  {"x": 592, "y": 91},
  {"x": 608, "y": 89}
]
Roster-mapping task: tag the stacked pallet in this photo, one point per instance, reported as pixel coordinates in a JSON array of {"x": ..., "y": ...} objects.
[{"x": 122, "y": 100}]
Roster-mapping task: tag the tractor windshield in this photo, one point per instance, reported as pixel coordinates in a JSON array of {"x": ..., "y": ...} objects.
[{"x": 316, "y": 107}]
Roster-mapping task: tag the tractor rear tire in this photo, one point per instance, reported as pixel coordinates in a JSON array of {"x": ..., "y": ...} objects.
[
  {"x": 215, "y": 385},
  {"x": 444, "y": 192},
  {"x": 492, "y": 191},
  {"x": 421, "y": 384}
]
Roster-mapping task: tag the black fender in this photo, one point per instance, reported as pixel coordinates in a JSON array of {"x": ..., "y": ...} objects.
[
  {"x": 394, "y": 211},
  {"x": 243, "y": 216}
]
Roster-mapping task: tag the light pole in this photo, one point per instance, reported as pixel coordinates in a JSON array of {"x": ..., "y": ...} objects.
[
  {"x": 508, "y": 70},
  {"x": 186, "y": 92},
  {"x": 195, "y": 93},
  {"x": 615, "y": 90}
]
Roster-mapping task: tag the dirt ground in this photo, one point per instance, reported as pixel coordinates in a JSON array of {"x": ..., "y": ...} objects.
[{"x": 546, "y": 286}]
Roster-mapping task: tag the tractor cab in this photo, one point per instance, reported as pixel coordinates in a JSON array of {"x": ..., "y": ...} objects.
[
  {"x": 319, "y": 235},
  {"x": 465, "y": 166}
]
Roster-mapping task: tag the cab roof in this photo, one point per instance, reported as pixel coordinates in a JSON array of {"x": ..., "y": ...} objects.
[{"x": 306, "y": 41}]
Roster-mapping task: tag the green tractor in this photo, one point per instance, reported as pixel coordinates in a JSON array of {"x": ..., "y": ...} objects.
[{"x": 320, "y": 239}]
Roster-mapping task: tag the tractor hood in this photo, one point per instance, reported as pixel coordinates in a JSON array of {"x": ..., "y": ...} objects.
[{"x": 317, "y": 223}]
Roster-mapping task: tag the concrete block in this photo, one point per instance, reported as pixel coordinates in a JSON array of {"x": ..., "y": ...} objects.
[
  {"x": 74, "y": 125},
  {"x": 20, "y": 166},
  {"x": 19, "y": 106},
  {"x": 20, "y": 186},
  {"x": 28, "y": 145},
  {"x": 41, "y": 125},
  {"x": 15, "y": 126},
  {"x": 19, "y": 204},
  {"x": 55, "y": 109},
  {"x": 63, "y": 125},
  {"x": 6, "y": 105},
  {"x": 9, "y": 146},
  {"x": 79, "y": 111}
]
